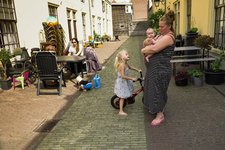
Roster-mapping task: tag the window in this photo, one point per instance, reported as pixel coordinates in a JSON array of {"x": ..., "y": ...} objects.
[
  {"x": 99, "y": 25},
  {"x": 103, "y": 6},
  {"x": 8, "y": 29},
  {"x": 188, "y": 14},
  {"x": 68, "y": 13},
  {"x": 84, "y": 27},
  {"x": 92, "y": 3},
  {"x": 74, "y": 24},
  {"x": 74, "y": 15},
  {"x": 122, "y": 25},
  {"x": 93, "y": 21},
  {"x": 83, "y": 19},
  {"x": 103, "y": 25},
  {"x": 219, "y": 33},
  {"x": 107, "y": 26},
  {"x": 126, "y": 9},
  {"x": 53, "y": 11},
  {"x": 177, "y": 21}
]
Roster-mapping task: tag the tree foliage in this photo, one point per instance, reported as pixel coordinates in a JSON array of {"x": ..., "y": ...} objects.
[{"x": 154, "y": 19}]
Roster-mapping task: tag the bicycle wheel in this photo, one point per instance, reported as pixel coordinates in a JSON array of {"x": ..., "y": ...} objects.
[
  {"x": 115, "y": 102},
  {"x": 32, "y": 75}
]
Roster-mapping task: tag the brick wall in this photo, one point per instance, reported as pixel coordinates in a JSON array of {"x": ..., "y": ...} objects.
[
  {"x": 120, "y": 17},
  {"x": 140, "y": 8}
]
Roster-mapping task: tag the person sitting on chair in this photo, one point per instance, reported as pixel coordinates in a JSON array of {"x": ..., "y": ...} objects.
[{"x": 74, "y": 50}]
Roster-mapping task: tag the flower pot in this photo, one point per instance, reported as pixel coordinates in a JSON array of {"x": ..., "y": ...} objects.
[
  {"x": 198, "y": 81},
  {"x": 6, "y": 84},
  {"x": 18, "y": 57},
  {"x": 214, "y": 78},
  {"x": 182, "y": 82},
  {"x": 191, "y": 78},
  {"x": 190, "y": 36}
]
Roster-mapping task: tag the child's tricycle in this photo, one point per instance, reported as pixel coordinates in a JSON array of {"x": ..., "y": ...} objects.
[{"x": 115, "y": 100}]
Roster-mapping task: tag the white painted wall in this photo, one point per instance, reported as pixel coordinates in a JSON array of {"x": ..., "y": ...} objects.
[{"x": 31, "y": 13}]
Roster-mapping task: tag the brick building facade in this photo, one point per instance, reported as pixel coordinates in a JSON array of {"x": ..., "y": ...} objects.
[
  {"x": 121, "y": 20},
  {"x": 140, "y": 9}
]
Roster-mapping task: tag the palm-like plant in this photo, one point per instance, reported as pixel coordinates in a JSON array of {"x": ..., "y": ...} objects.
[{"x": 4, "y": 57}]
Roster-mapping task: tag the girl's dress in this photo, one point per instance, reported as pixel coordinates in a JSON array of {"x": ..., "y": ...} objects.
[{"x": 123, "y": 87}]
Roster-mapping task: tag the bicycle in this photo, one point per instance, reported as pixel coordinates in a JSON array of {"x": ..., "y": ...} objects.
[
  {"x": 115, "y": 100},
  {"x": 33, "y": 69}
]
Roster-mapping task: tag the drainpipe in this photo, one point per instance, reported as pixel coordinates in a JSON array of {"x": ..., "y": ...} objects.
[
  {"x": 90, "y": 17},
  {"x": 165, "y": 6}
]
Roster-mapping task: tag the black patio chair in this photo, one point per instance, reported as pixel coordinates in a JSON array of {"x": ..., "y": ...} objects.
[
  {"x": 48, "y": 70},
  {"x": 10, "y": 70}
]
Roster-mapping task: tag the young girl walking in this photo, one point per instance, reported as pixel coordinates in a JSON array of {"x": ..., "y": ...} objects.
[{"x": 123, "y": 86}]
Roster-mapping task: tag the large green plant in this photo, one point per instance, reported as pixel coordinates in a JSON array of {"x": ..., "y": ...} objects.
[
  {"x": 4, "y": 57},
  {"x": 218, "y": 62},
  {"x": 154, "y": 19}
]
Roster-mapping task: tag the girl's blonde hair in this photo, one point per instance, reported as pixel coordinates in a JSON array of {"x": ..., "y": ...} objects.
[{"x": 118, "y": 60}]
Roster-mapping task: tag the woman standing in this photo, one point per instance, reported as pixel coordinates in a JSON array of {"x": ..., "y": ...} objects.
[{"x": 158, "y": 69}]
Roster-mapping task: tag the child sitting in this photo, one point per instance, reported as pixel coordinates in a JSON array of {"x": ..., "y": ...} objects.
[{"x": 83, "y": 85}]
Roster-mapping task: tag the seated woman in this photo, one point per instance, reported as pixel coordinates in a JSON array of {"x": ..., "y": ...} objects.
[{"x": 74, "y": 50}]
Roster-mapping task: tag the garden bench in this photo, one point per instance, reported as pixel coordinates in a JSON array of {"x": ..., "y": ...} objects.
[{"x": 190, "y": 60}]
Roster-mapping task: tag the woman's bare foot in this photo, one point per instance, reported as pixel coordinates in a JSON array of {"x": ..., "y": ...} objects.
[{"x": 159, "y": 119}]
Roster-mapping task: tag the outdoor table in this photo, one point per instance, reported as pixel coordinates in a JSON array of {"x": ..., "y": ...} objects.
[{"x": 71, "y": 59}]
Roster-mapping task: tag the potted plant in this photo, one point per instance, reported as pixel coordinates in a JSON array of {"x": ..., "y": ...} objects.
[
  {"x": 191, "y": 77},
  {"x": 215, "y": 76},
  {"x": 103, "y": 38},
  {"x": 107, "y": 38},
  {"x": 6, "y": 83},
  {"x": 204, "y": 41},
  {"x": 198, "y": 78},
  {"x": 17, "y": 52},
  {"x": 191, "y": 34},
  {"x": 181, "y": 78}
]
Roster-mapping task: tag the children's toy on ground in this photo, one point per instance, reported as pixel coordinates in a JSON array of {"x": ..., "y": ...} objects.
[
  {"x": 83, "y": 85},
  {"x": 97, "y": 82}
]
